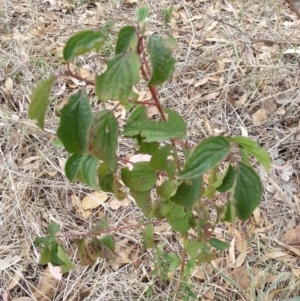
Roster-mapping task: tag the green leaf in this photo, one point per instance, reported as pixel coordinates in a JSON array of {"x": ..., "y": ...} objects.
[
  {"x": 103, "y": 138},
  {"x": 207, "y": 155},
  {"x": 45, "y": 256},
  {"x": 147, "y": 147},
  {"x": 109, "y": 242},
  {"x": 106, "y": 183},
  {"x": 57, "y": 143},
  {"x": 247, "y": 191},
  {"x": 120, "y": 194},
  {"x": 53, "y": 228},
  {"x": 55, "y": 260},
  {"x": 171, "y": 42},
  {"x": 188, "y": 193},
  {"x": 117, "y": 81},
  {"x": 105, "y": 177},
  {"x": 127, "y": 36},
  {"x": 75, "y": 120},
  {"x": 143, "y": 200},
  {"x": 179, "y": 219},
  {"x": 229, "y": 214},
  {"x": 255, "y": 150},
  {"x": 165, "y": 159},
  {"x": 161, "y": 60},
  {"x": 148, "y": 234},
  {"x": 142, "y": 13},
  {"x": 192, "y": 247},
  {"x": 219, "y": 244},
  {"x": 41, "y": 241},
  {"x": 138, "y": 123},
  {"x": 67, "y": 263},
  {"x": 39, "y": 101},
  {"x": 166, "y": 208},
  {"x": 167, "y": 14},
  {"x": 210, "y": 191},
  {"x": 88, "y": 167},
  {"x": 245, "y": 156},
  {"x": 85, "y": 41},
  {"x": 140, "y": 178},
  {"x": 228, "y": 180},
  {"x": 72, "y": 166},
  {"x": 166, "y": 189}
]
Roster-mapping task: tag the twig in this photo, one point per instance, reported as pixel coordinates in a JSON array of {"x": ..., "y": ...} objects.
[{"x": 110, "y": 230}]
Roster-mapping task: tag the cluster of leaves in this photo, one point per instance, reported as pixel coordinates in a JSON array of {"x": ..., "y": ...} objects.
[{"x": 91, "y": 139}]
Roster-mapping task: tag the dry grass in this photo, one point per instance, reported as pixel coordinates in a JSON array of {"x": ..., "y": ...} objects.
[{"x": 234, "y": 59}]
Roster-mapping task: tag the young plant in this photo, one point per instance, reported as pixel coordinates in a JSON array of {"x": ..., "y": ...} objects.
[{"x": 91, "y": 139}]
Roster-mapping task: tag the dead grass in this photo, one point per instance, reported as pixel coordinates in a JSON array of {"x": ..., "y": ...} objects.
[{"x": 236, "y": 73}]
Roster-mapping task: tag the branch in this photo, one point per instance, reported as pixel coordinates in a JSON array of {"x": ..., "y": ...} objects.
[{"x": 110, "y": 230}]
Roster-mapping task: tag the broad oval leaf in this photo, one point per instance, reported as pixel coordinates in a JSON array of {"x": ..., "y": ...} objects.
[
  {"x": 143, "y": 200},
  {"x": 247, "y": 191},
  {"x": 103, "y": 138},
  {"x": 85, "y": 41},
  {"x": 207, "y": 154},
  {"x": 179, "y": 219},
  {"x": 75, "y": 120},
  {"x": 45, "y": 256},
  {"x": 88, "y": 167},
  {"x": 140, "y": 178},
  {"x": 72, "y": 166},
  {"x": 254, "y": 149},
  {"x": 148, "y": 236},
  {"x": 228, "y": 180},
  {"x": 127, "y": 36},
  {"x": 139, "y": 124},
  {"x": 117, "y": 81},
  {"x": 53, "y": 228},
  {"x": 188, "y": 193},
  {"x": 148, "y": 148},
  {"x": 39, "y": 101},
  {"x": 108, "y": 242},
  {"x": 161, "y": 60},
  {"x": 219, "y": 244},
  {"x": 67, "y": 263},
  {"x": 165, "y": 159},
  {"x": 166, "y": 189},
  {"x": 142, "y": 13}
]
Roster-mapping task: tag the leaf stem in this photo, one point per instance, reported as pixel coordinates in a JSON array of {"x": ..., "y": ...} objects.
[
  {"x": 110, "y": 230},
  {"x": 70, "y": 73}
]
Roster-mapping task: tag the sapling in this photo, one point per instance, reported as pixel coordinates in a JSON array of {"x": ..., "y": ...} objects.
[{"x": 91, "y": 140}]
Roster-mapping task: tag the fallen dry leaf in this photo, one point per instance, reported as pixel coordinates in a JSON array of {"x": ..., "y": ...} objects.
[
  {"x": 116, "y": 204},
  {"x": 260, "y": 116},
  {"x": 55, "y": 271},
  {"x": 292, "y": 237},
  {"x": 296, "y": 272},
  {"x": 270, "y": 105},
  {"x": 46, "y": 287},
  {"x": 8, "y": 87},
  {"x": 93, "y": 200},
  {"x": 15, "y": 279},
  {"x": 210, "y": 96}
]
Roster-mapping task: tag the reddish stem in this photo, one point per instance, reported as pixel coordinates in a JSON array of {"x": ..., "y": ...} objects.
[
  {"x": 74, "y": 75},
  {"x": 110, "y": 230}
]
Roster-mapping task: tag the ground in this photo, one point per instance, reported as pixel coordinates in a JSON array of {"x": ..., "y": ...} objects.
[{"x": 237, "y": 73}]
